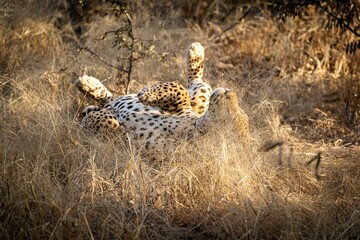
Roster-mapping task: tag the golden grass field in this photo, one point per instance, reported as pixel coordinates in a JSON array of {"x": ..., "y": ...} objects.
[{"x": 294, "y": 80}]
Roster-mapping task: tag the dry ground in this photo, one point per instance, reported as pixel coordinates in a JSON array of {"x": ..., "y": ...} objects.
[{"x": 293, "y": 79}]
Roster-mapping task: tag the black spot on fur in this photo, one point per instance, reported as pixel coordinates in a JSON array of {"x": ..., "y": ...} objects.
[
  {"x": 203, "y": 98},
  {"x": 117, "y": 104}
]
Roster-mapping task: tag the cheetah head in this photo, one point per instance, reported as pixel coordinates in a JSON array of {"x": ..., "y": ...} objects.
[{"x": 224, "y": 109}]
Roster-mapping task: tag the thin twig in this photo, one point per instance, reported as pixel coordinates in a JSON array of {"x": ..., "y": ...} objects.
[
  {"x": 280, "y": 156},
  {"x": 269, "y": 145},
  {"x": 102, "y": 59},
  {"x": 128, "y": 46},
  {"x": 291, "y": 157},
  {"x": 317, "y": 164},
  {"x": 131, "y": 53},
  {"x": 340, "y": 20},
  {"x": 233, "y": 8},
  {"x": 237, "y": 22},
  {"x": 313, "y": 159}
]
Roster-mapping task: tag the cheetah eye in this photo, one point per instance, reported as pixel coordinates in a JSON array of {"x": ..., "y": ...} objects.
[
  {"x": 193, "y": 104},
  {"x": 203, "y": 90}
]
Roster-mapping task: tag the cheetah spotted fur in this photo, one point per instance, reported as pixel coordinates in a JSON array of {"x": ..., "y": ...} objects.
[{"x": 165, "y": 112}]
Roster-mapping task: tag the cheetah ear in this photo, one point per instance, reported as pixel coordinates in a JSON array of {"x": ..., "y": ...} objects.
[
  {"x": 89, "y": 108},
  {"x": 232, "y": 97}
]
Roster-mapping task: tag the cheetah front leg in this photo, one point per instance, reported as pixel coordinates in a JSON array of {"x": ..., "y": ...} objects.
[
  {"x": 95, "y": 118},
  {"x": 94, "y": 87}
]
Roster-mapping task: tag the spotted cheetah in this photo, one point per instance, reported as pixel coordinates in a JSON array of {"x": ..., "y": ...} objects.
[
  {"x": 153, "y": 128},
  {"x": 162, "y": 113}
]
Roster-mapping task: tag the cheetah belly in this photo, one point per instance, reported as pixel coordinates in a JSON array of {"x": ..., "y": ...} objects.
[{"x": 146, "y": 124}]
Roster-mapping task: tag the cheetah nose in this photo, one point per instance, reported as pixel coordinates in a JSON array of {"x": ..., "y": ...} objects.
[{"x": 229, "y": 93}]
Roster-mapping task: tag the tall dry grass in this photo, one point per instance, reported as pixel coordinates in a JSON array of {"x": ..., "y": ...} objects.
[{"x": 59, "y": 182}]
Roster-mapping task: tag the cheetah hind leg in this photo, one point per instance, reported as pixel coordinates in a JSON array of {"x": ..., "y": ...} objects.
[
  {"x": 171, "y": 97},
  {"x": 199, "y": 90},
  {"x": 94, "y": 87},
  {"x": 195, "y": 56}
]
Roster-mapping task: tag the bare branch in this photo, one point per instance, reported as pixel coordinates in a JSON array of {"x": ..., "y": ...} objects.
[
  {"x": 102, "y": 59},
  {"x": 237, "y": 22},
  {"x": 347, "y": 26},
  {"x": 317, "y": 164}
]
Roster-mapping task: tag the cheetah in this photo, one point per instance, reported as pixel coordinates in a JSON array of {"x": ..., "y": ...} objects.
[
  {"x": 165, "y": 112},
  {"x": 153, "y": 128}
]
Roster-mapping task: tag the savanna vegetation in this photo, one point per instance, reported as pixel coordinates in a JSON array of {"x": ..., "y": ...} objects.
[{"x": 295, "y": 71}]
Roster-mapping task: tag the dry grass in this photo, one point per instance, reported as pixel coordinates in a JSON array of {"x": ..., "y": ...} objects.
[{"x": 58, "y": 182}]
